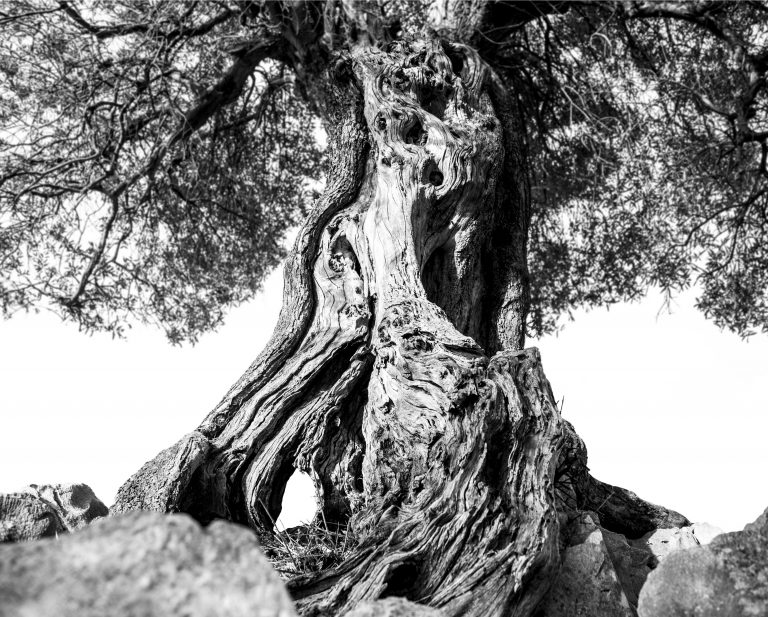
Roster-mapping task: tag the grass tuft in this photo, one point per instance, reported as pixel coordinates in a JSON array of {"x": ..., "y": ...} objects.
[{"x": 307, "y": 548}]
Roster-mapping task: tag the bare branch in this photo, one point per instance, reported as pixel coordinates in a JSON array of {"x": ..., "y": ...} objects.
[{"x": 73, "y": 302}]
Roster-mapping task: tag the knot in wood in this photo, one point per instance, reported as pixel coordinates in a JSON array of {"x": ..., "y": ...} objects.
[{"x": 419, "y": 341}]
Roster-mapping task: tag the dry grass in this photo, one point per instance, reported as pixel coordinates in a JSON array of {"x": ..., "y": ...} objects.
[{"x": 307, "y": 548}]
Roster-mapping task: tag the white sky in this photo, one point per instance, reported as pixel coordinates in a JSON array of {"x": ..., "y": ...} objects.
[{"x": 669, "y": 407}]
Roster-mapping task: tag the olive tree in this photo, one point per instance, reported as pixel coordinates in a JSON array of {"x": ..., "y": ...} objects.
[{"x": 489, "y": 166}]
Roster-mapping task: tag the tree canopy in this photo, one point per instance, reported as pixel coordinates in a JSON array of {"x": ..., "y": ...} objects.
[
  {"x": 130, "y": 185},
  {"x": 649, "y": 148},
  {"x": 153, "y": 154}
]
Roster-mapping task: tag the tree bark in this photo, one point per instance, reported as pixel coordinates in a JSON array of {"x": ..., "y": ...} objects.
[{"x": 395, "y": 376}]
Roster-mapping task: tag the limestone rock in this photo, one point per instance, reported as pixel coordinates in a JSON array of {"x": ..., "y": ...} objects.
[
  {"x": 158, "y": 484},
  {"x": 75, "y": 504},
  {"x": 603, "y": 573},
  {"x": 588, "y": 583},
  {"x": 729, "y": 577},
  {"x": 662, "y": 542},
  {"x": 623, "y": 511},
  {"x": 632, "y": 564},
  {"x": 761, "y": 522},
  {"x": 144, "y": 564},
  {"x": 41, "y": 511},
  {"x": 705, "y": 533},
  {"x": 26, "y": 517},
  {"x": 393, "y": 607}
]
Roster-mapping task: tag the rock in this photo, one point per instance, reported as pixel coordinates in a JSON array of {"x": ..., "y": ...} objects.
[
  {"x": 688, "y": 582},
  {"x": 603, "y": 573},
  {"x": 75, "y": 504},
  {"x": 588, "y": 583},
  {"x": 622, "y": 511},
  {"x": 26, "y": 517},
  {"x": 705, "y": 533},
  {"x": 393, "y": 607},
  {"x": 632, "y": 564},
  {"x": 158, "y": 484},
  {"x": 729, "y": 577},
  {"x": 41, "y": 511},
  {"x": 142, "y": 564},
  {"x": 759, "y": 523},
  {"x": 662, "y": 542}
]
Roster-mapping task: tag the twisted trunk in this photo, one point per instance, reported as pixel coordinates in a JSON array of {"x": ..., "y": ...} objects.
[{"x": 395, "y": 376}]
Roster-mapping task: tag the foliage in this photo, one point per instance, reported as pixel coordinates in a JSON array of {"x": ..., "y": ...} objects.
[
  {"x": 153, "y": 153},
  {"x": 111, "y": 204},
  {"x": 649, "y": 155}
]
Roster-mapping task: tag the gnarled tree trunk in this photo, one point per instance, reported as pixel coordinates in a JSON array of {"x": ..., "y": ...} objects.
[{"x": 395, "y": 376}]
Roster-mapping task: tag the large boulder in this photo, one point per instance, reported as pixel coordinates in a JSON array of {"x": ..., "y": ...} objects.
[
  {"x": 41, "y": 511},
  {"x": 728, "y": 577},
  {"x": 146, "y": 564},
  {"x": 602, "y": 572},
  {"x": 663, "y": 542},
  {"x": 592, "y": 581},
  {"x": 26, "y": 517},
  {"x": 159, "y": 483},
  {"x": 75, "y": 504},
  {"x": 632, "y": 564},
  {"x": 624, "y": 512}
]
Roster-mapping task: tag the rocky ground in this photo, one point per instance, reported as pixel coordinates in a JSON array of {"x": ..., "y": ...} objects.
[{"x": 62, "y": 555}]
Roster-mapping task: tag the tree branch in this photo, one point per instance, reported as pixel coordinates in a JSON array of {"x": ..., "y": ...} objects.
[
  {"x": 222, "y": 93},
  {"x": 72, "y": 303},
  {"x": 105, "y": 32}
]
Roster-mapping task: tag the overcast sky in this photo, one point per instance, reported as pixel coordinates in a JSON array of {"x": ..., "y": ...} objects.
[{"x": 669, "y": 406}]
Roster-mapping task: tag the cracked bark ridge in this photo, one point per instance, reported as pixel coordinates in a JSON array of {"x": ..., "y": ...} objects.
[
  {"x": 310, "y": 348},
  {"x": 457, "y": 507},
  {"x": 393, "y": 607},
  {"x": 466, "y": 523}
]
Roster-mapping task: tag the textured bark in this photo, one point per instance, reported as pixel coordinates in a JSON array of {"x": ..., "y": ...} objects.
[{"x": 382, "y": 378}]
